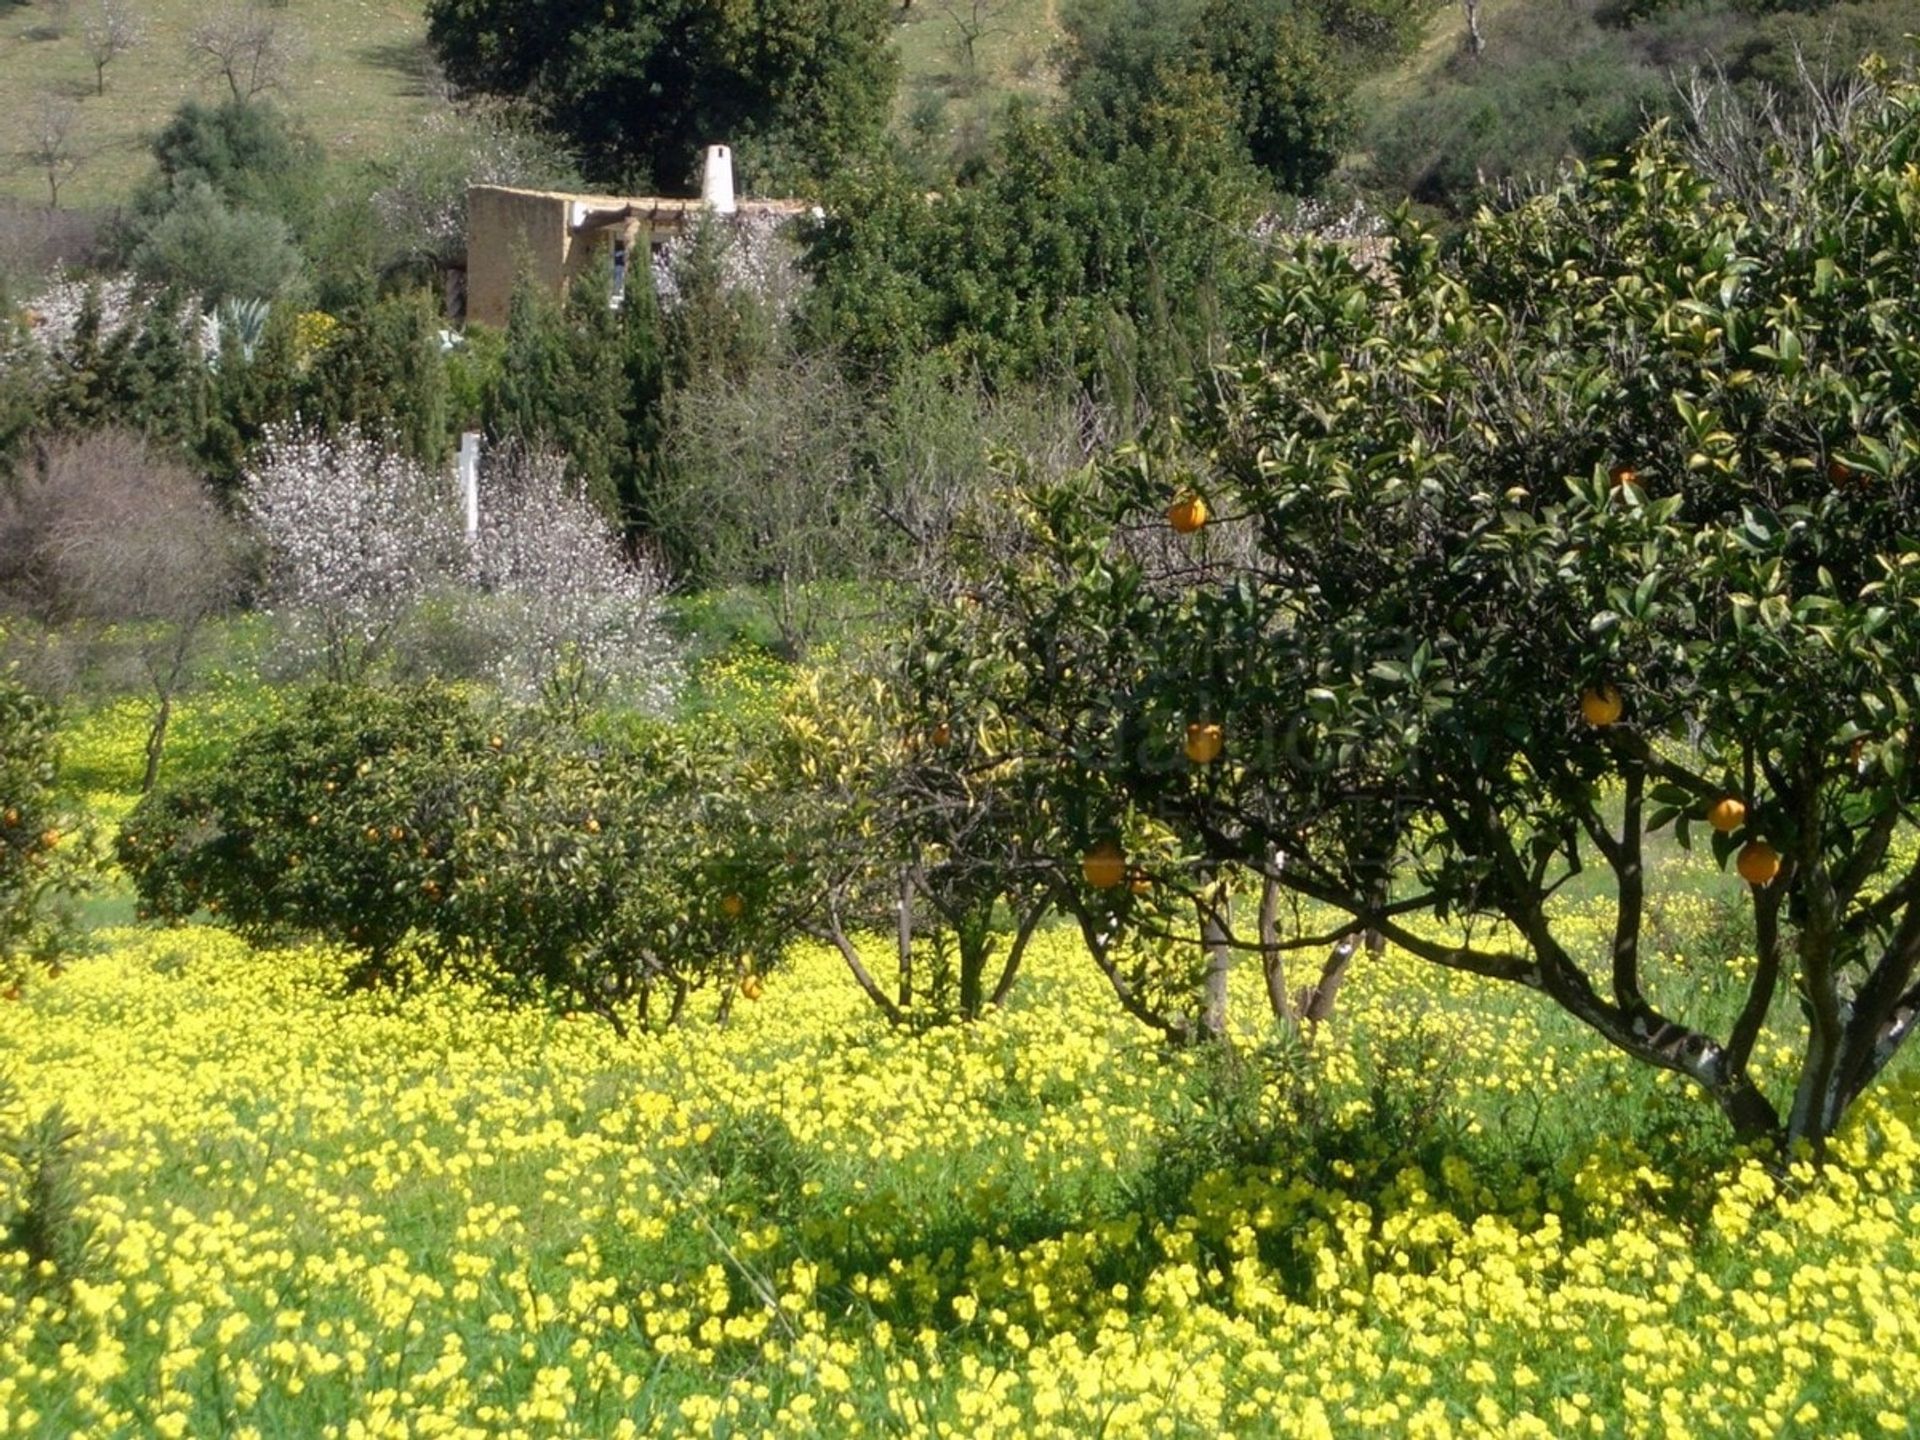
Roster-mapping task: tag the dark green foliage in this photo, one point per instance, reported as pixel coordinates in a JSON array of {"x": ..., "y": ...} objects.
[
  {"x": 795, "y": 86},
  {"x": 1286, "y": 69},
  {"x": 330, "y": 820},
  {"x": 35, "y": 877},
  {"x": 1069, "y": 240},
  {"x": 583, "y": 379},
  {"x": 249, "y": 154},
  {"x": 382, "y": 371},
  {"x": 244, "y": 396},
  {"x": 513, "y": 850}
]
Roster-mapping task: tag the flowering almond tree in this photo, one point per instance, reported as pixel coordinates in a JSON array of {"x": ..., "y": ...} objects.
[
  {"x": 1603, "y": 528},
  {"x": 357, "y": 536}
]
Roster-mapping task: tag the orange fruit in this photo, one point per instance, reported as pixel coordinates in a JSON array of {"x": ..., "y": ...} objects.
[
  {"x": 12, "y": 817},
  {"x": 1621, "y": 475},
  {"x": 1187, "y": 514},
  {"x": 1758, "y": 862},
  {"x": 732, "y": 906},
  {"x": 49, "y": 838},
  {"x": 942, "y": 733},
  {"x": 1140, "y": 884},
  {"x": 1727, "y": 814},
  {"x": 1203, "y": 743},
  {"x": 1601, "y": 707},
  {"x": 750, "y": 987},
  {"x": 1104, "y": 866},
  {"x": 592, "y": 826}
]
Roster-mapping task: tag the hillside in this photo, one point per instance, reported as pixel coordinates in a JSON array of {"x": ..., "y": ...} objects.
[{"x": 364, "y": 78}]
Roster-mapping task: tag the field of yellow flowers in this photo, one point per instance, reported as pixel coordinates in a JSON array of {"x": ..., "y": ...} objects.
[
  {"x": 420, "y": 1214},
  {"x": 235, "y": 1201}
]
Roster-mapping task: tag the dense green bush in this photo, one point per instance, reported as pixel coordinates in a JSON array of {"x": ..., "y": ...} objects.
[
  {"x": 337, "y": 818},
  {"x": 512, "y": 849},
  {"x": 1079, "y": 249}
]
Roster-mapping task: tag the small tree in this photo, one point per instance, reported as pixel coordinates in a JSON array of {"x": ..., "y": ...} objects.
[
  {"x": 111, "y": 31},
  {"x": 54, "y": 143},
  {"x": 250, "y": 48},
  {"x": 577, "y": 617},
  {"x": 1602, "y": 530},
  {"x": 354, "y": 537},
  {"x": 102, "y": 532}
]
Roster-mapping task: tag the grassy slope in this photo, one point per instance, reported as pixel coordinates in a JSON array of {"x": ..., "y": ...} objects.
[
  {"x": 362, "y": 82},
  {"x": 360, "y": 85}
]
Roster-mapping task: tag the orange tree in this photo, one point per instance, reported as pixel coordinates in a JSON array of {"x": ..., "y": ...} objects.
[
  {"x": 907, "y": 809},
  {"x": 1520, "y": 555},
  {"x": 588, "y": 870}
]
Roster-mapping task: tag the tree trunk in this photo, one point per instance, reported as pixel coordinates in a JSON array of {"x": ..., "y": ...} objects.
[
  {"x": 1316, "y": 1004},
  {"x": 835, "y": 936},
  {"x": 976, "y": 943},
  {"x": 905, "y": 937},
  {"x": 156, "y": 743},
  {"x": 1010, "y": 971},
  {"x": 1213, "y": 939},
  {"x": 1273, "y": 960}
]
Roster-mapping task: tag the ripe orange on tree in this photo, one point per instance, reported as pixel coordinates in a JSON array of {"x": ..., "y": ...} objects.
[
  {"x": 1104, "y": 866},
  {"x": 1623, "y": 475},
  {"x": 1727, "y": 814},
  {"x": 750, "y": 986},
  {"x": 1601, "y": 706},
  {"x": 1204, "y": 740},
  {"x": 1758, "y": 862},
  {"x": 732, "y": 906},
  {"x": 1187, "y": 514}
]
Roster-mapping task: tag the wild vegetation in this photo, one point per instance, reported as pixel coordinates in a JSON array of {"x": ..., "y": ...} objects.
[{"x": 1117, "y": 785}]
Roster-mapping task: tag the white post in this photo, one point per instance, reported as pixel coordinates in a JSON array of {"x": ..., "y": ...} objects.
[
  {"x": 716, "y": 180},
  {"x": 470, "y": 481}
]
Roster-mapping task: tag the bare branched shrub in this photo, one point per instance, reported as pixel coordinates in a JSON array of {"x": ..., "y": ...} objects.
[
  {"x": 1753, "y": 145},
  {"x": 107, "y": 537},
  {"x": 355, "y": 536},
  {"x": 55, "y": 147}
]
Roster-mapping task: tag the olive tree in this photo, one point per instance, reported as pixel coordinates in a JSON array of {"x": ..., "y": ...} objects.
[{"x": 1598, "y": 528}]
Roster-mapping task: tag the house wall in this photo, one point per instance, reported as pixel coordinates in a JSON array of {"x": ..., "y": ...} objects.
[
  {"x": 510, "y": 233},
  {"x": 529, "y": 233}
]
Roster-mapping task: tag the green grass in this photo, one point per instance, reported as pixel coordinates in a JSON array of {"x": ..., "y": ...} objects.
[
  {"x": 363, "y": 81},
  {"x": 946, "y": 104},
  {"x": 359, "y": 88}
]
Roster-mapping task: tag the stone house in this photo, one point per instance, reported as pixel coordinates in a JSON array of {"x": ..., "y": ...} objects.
[{"x": 551, "y": 236}]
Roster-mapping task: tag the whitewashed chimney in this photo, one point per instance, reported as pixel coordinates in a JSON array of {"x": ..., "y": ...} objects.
[{"x": 716, "y": 180}]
